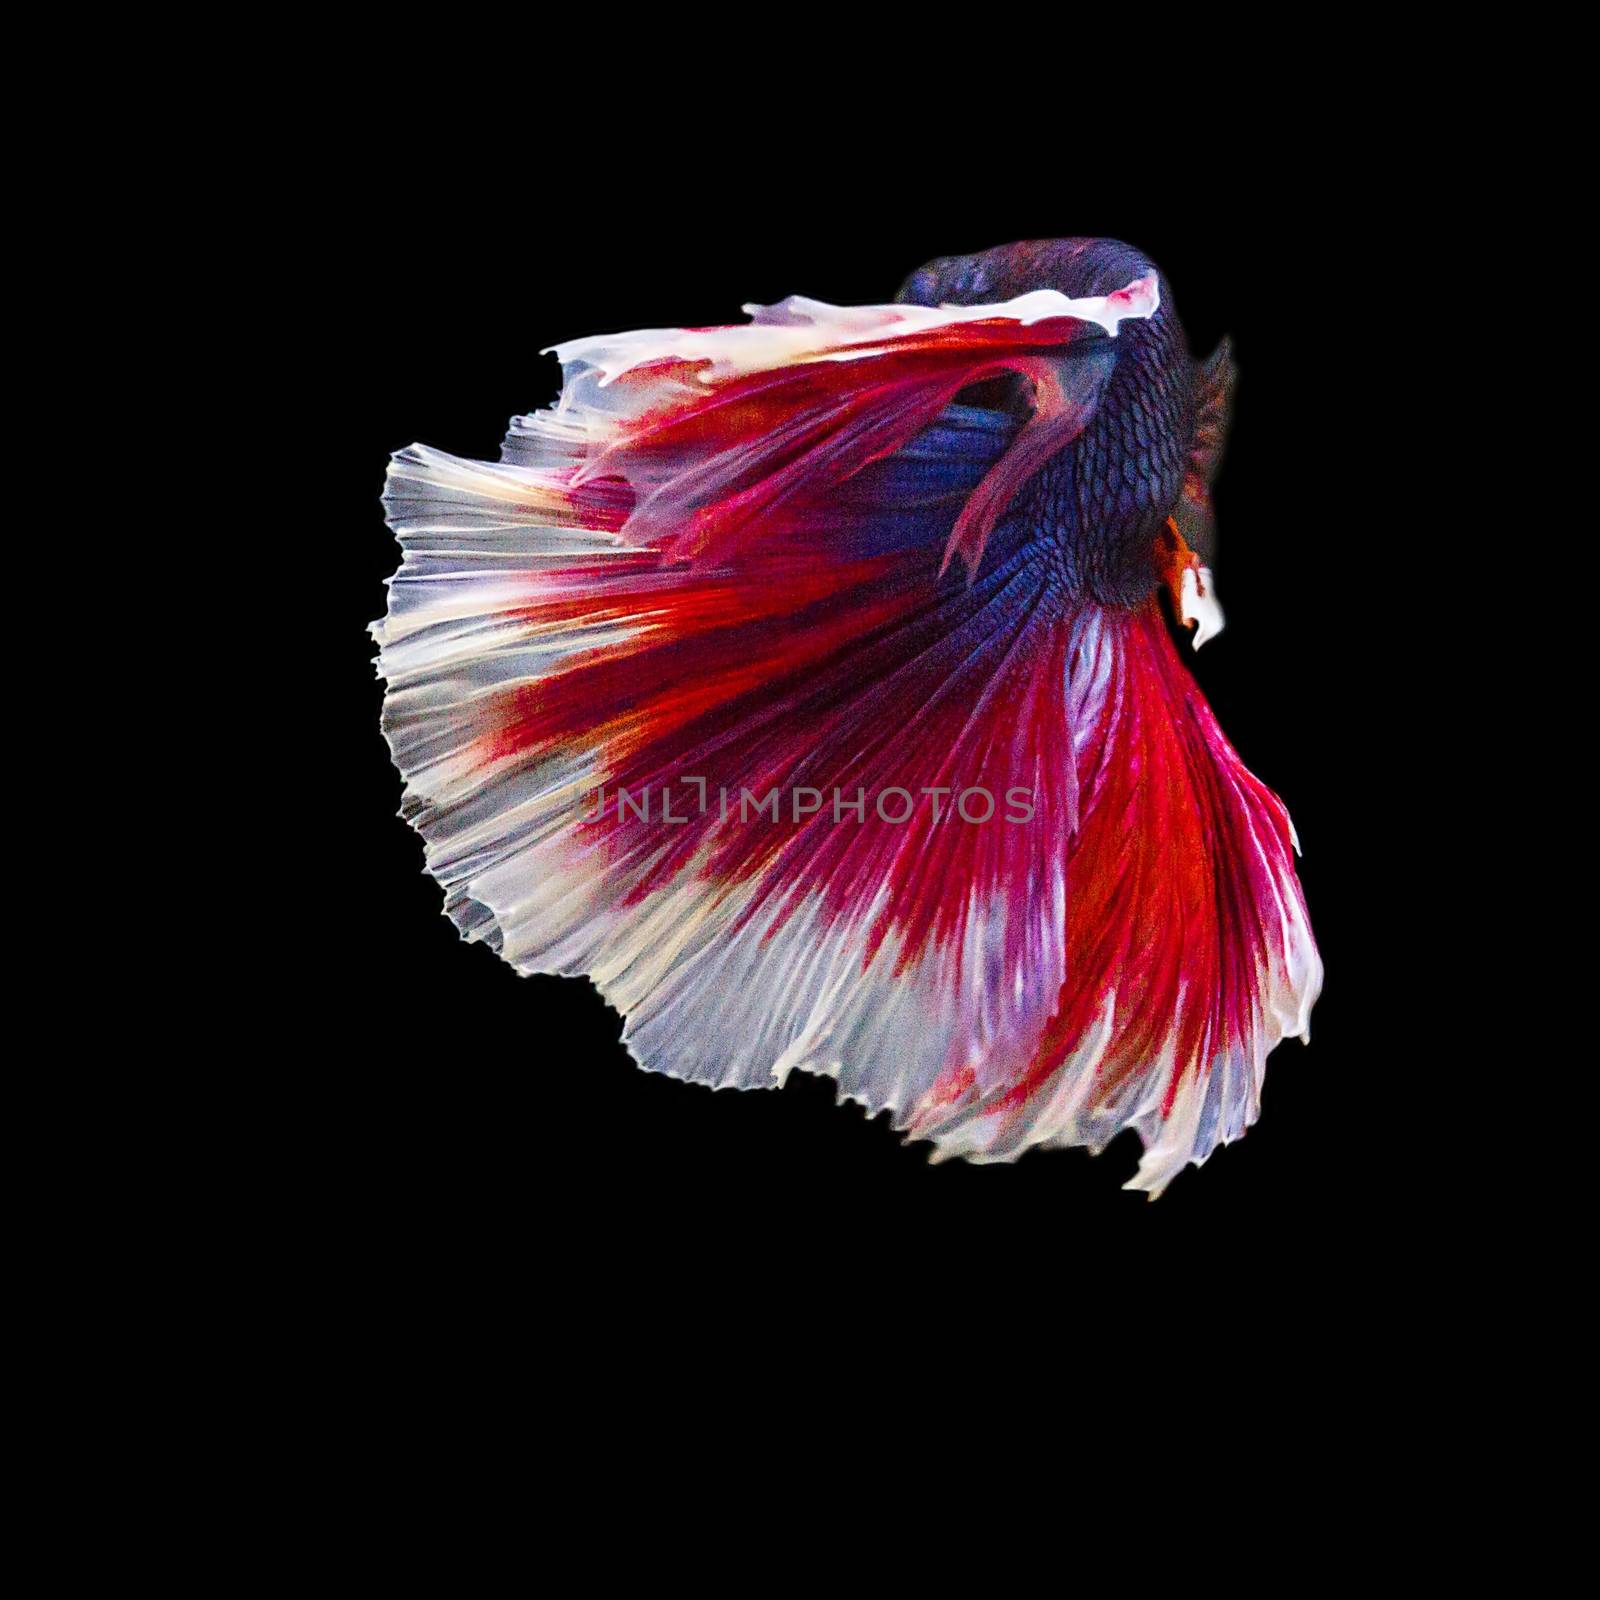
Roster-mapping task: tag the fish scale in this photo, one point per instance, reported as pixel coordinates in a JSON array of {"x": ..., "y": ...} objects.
[{"x": 1103, "y": 498}]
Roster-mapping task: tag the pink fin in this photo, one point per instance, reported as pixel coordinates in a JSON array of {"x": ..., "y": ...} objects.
[{"x": 1066, "y": 392}]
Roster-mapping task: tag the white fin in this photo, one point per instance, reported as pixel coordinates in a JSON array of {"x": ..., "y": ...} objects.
[{"x": 1199, "y": 597}]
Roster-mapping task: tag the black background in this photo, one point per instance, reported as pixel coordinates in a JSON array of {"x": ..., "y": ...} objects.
[{"x": 475, "y": 1131}]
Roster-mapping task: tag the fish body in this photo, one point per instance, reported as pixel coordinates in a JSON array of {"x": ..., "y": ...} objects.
[
  {"x": 805, "y": 684},
  {"x": 1103, "y": 499}
]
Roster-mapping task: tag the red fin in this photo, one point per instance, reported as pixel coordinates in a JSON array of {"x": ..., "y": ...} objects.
[
  {"x": 1189, "y": 954},
  {"x": 723, "y": 432}
]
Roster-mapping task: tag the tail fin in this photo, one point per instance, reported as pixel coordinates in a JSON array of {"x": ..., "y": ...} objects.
[{"x": 711, "y": 583}]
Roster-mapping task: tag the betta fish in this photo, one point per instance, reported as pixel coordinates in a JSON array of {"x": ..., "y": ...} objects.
[{"x": 805, "y": 684}]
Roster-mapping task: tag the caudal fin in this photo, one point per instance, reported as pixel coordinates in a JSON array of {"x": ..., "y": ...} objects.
[{"x": 684, "y": 700}]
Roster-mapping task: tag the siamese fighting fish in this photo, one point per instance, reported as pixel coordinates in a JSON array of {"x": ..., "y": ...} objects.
[{"x": 808, "y": 685}]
